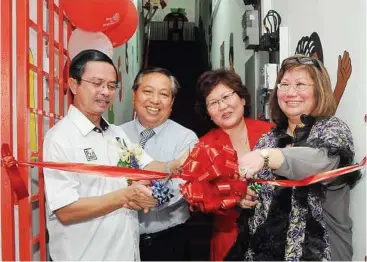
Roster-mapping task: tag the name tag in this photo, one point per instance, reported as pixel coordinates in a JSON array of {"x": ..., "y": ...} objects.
[{"x": 89, "y": 154}]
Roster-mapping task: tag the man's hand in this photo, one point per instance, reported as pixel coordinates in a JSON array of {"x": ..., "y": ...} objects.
[
  {"x": 139, "y": 197},
  {"x": 181, "y": 160}
]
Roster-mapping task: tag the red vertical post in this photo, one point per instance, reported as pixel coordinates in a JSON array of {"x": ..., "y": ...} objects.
[
  {"x": 70, "y": 29},
  {"x": 40, "y": 122},
  {"x": 7, "y": 197},
  {"x": 61, "y": 60},
  {"x": 40, "y": 75},
  {"x": 51, "y": 46},
  {"x": 22, "y": 63}
]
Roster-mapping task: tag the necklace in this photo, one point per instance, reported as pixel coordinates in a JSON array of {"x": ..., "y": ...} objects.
[{"x": 289, "y": 132}]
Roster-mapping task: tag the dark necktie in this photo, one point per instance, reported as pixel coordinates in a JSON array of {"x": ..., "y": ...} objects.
[{"x": 145, "y": 135}]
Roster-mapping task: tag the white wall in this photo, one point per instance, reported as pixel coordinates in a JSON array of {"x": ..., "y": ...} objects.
[
  {"x": 206, "y": 16},
  {"x": 228, "y": 19},
  {"x": 341, "y": 26},
  {"x": 123, "y": 109},
  {"x": 197, "y": 11},
  {"x": 189, "y": 6}
]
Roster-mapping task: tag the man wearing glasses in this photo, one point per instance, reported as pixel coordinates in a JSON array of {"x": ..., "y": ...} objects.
[{"x": 92, "y": 217}]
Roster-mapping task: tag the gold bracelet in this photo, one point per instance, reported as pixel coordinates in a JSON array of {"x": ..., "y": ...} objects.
[{"x": 265, "y": 155}]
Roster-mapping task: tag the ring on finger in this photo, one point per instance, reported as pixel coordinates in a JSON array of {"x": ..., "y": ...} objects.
[{"x": 243, "y": 172}]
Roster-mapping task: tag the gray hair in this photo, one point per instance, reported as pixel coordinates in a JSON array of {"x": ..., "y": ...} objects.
[{"x": 174, "y": 83}]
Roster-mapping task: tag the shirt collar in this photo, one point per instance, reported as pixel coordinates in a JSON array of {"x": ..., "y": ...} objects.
[
  {"x": 141, "y": 128},
  {"x": 104, "y": 126},
  {"x": 84, "y": 125}
]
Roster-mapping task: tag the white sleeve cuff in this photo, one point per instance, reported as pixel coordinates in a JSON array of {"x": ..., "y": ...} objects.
[
  {"x": 59, "y": 200},
  {"x": 145, "y": 160}
]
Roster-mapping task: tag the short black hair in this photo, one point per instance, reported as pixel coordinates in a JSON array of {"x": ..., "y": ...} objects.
[
  {"x": 150, "y": 70},
  {"x": 79, "y": 62}
]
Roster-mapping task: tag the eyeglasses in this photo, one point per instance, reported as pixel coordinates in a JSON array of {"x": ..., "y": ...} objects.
[
  {"x": 213, "y": 105},
  {"x": 99, "y": 84},
  {"x": 302, "y": 61},
  {"x": 286, "y": 87}
]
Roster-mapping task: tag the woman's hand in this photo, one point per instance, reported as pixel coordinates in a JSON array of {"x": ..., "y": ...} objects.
[
  {"x": 253, "y": 162},
  {"x": 249, "y": 200},
  {"x": 250, "y": 164}
]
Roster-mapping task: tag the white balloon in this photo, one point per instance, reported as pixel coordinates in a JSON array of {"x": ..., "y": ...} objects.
[{"x": 82, "y": 40}]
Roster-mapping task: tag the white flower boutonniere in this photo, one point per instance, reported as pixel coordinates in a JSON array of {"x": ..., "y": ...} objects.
[{"x": 129, "y": 156}]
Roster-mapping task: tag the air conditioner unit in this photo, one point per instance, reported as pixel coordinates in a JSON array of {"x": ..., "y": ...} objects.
[{"x": 250, "y": 23}]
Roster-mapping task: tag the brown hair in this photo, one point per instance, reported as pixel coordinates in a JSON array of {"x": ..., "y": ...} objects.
[
  {"x": 324, "y": 98},
  {"x": 210, "y": 79}
]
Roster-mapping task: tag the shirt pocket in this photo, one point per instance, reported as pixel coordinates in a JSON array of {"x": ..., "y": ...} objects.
[
  {"x": 100, "y": 183},
  {"x": 89, "y": 155}
]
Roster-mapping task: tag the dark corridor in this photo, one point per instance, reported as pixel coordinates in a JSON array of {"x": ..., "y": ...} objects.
[{"x": 186, "y": 60}]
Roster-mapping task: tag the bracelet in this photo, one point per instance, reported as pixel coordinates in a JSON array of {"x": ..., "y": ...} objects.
[
  {"x": 266, "y": 162},
  {"x": 265, "y": 155}
]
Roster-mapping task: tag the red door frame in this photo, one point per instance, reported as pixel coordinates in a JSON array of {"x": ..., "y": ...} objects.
[
  {"x": 23, "y": 113},
  {"x": 7, "y": 197}
]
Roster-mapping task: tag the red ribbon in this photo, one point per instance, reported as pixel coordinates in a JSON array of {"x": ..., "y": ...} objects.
[
  {"x": 313, "y": 178},
  {"x": 210, "y": 175}
]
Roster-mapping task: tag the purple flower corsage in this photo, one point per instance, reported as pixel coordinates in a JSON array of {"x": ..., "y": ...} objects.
[{"x": 161, "y": 192}]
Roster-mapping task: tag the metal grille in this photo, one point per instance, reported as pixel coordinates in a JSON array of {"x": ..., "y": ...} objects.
[{"x": 159, "y": 31}]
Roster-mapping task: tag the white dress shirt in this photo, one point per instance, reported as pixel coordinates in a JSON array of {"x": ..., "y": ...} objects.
[
  {"x": 114, "y": 236},
  {"x": 170, "y": 141}
]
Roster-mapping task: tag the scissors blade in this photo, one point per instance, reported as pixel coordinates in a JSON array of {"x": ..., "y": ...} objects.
[{"x": 168, "y": 178}]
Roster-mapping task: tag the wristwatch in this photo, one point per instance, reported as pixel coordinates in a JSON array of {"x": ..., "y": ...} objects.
[{"x": 265, "y": 155}]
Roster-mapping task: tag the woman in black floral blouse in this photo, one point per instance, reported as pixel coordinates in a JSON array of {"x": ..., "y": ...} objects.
[{"x": 300, "y": 223}]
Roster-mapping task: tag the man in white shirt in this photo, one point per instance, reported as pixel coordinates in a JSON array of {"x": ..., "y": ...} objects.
[
  {"x": 164, "y": 234},
  {"x": 90, "y": 217}
]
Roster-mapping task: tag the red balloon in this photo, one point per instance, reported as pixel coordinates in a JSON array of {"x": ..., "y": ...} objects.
[
  {"x": 95, "y": 15},
  {"x": 121, "y": 33}
]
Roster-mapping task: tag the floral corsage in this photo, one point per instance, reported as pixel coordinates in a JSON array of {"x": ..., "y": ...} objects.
[{"x": 131, "y": 158}]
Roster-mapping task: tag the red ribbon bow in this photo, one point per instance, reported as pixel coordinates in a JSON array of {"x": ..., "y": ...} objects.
[
  {"x": 16, "y": 181},
  {"x": 212, "y": 185}
]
